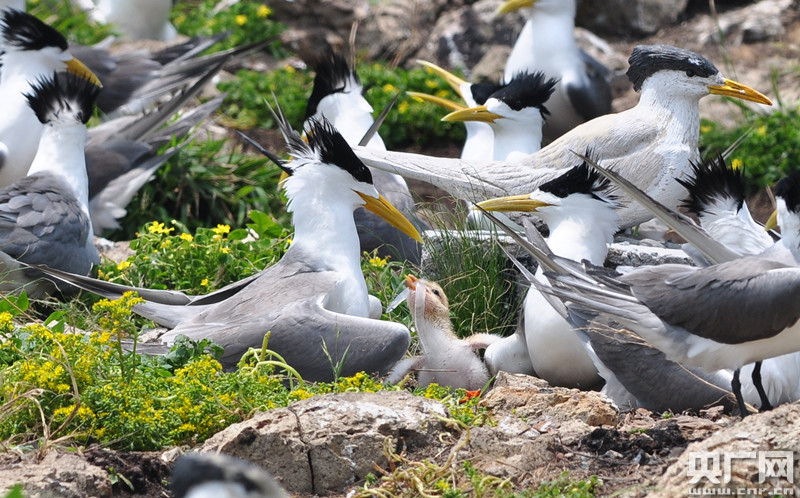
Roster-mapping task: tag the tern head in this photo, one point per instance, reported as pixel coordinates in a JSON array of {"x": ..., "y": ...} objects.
[
  {"x": 787, "y": 212},
  {"x": 63, "y": 97},
  {"x": 521, "y": 99},
  {"x": 38, "y": 44},
  {"x": 714, "y": 188},
  {"x": 327, "y": 170},
  {"x": 337, "y": 88},
  {"x": 579, "y": 190},
  {"x": 472, "y": 93},
  {"x": 531, "y": 7},
  {"x": 437, "y": 307},
  {"x": 677, "y": 71}
]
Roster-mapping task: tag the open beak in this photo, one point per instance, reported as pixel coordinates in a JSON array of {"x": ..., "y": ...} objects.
[
  {"x": 512, "y": 5},
  {"x": 479, "y": 113},
  {"x": 454, "y": 81},
  {"x": 772, "y": 222},
  {"x": 734, "y": 89},
  {"x": 512, "y": 203},
  {"x": 382, "y": 208},
  {"x": 411, "y": 282},
  {"x": 447, "y": 104},
  {"x": 78, "y": 68}
]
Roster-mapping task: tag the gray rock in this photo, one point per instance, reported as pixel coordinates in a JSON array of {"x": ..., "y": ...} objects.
[
  {"x": 58, "y": 474},
  {"x": 327, "y": 443},
  {"x": 761, "y": 21},
  {"x": 776, "y": 430},
  {"x": 628, "y": 18}
]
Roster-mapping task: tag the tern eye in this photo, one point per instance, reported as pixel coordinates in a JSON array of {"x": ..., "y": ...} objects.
[
  {"x": 437, "y": 293},
  {"x": 690, "y": 73}
]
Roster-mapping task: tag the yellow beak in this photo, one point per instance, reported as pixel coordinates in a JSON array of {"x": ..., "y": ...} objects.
[
  {"x": 77, "y": 68},
  {"x": 512, "y": 203},
  {"x": 454, "y": 81},
  {"x": 382, "y": 208},
  {"x": 479, "y": 113},
  {"x": 734, "y": 89},
  {"x": 512, "y": 5},
  {"x": 772, "y": 222},
  {"x": 447, "y": 104}
]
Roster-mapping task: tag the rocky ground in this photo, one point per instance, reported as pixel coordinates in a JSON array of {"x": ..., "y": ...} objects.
[{"x": 328, "y": 444}]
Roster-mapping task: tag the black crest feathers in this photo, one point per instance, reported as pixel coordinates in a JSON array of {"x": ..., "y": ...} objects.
[
  {"x": 63, "y": 93},
  {"x": 647, "y": 60},
  {"x": 26, "y": 32}
]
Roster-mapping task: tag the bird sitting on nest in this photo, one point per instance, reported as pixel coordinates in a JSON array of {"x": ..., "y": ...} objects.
[
  {"x": 651, "y": 144},
  {"x": 314, "y": 300}
]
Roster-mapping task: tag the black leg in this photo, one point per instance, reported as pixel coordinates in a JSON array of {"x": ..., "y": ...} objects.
[
  {"x": 736, "y": 386},
  {"x": 765, "y": 404}
]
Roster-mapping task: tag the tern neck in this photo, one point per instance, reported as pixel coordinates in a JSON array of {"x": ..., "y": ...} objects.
[
  {"x": 512, "y": 141},
  {"x": 20, "y": 69},
  {"x": 325, "y": 230},
  {"x": 583, "y": 235},
  {"x": 61, "y": 152},
  {"x": 545, "y": 41}
]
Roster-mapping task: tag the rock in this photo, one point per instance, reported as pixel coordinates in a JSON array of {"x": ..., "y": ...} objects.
[
  {"x": 774, "y": 431},
  {"x": 58, "y": 474},
  {"x": 327, "y": 443},
  {"x": 532, "y": 418},
  {"x": 758, "y": 22},
  {"x": 628, "y": 18},
  {"x": 395, "y": 30}
]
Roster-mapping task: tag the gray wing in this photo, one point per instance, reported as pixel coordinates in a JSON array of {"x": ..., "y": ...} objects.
[
  {"x": 655, "y": 382},
  {"x": 745, "y": 300},
  {"x": 41, "y": 222},
  {"x": 590, "y": 95},
  {"x": 290, "y": 306}
]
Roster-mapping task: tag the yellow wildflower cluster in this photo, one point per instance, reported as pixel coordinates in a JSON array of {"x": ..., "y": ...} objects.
[
  {"x": 263, "y": 11},
  {"x": 378, "y": 262},
  {"x": 159, "y": 228}
]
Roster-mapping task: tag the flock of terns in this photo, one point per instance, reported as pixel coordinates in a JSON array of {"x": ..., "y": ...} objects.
[{"x": 541, "y": 142}]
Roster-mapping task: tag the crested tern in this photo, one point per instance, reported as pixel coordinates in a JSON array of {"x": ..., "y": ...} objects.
[
  {"x": 515, "y": 112},
  {"x": 547, "y": 44},
  {"x": 579, "y": 210},
  {"x": 722, "y": 316},
  {"x": 45, "y": 215},
  {"x": 315, "y": 297},
  {"x": 446, "y": 360},
  {"x": 651, "y": 144},
  {"x": 337, "y": 96},
  {"x": 141, "y": 20},
  {"x": 33, "y": 50},
  {"x": 479, "y": 143}
]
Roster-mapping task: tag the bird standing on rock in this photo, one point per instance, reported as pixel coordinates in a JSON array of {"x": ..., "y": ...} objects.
[
  {"x": 547, "y": 44},
  {"x": 650, "y": 144}
]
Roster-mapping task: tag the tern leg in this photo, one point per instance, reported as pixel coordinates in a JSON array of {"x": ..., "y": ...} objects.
[
  {"x": 765, "y": 404},
  {"x": 736, "y": 387}
]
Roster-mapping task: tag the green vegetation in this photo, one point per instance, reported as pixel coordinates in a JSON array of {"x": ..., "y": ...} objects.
[
  {"x": 770, "y": 151},
  {"x": 70, "y": 21}
]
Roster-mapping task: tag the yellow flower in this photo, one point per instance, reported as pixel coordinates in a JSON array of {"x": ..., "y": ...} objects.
[
  {"x": 241, "y": 19},
  {"x": 289, "y": 69},
  {"x": 761, "y": 130},
  {"x": 123, "y": 265},
  {"x": 431, "y": 84},
  {"x": 289, "y": 240},
  {"x": 158, "y": 227},
  {"x": 166, "y": 243},
  {"x": 221, "y": 229},
  {"x": 378, "y": 262},
  {"x": 263, "y": 11},
  {"x": 736, "y": 163},
  {"x": 402, "y": 107},
  {"x": 225, "y": 250},
  {"x": 204, "y": 282},
  {"x": 187, "y": 237},
  {"x": 389, "y": 88},
  {"x": 706, "y": 128}
]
